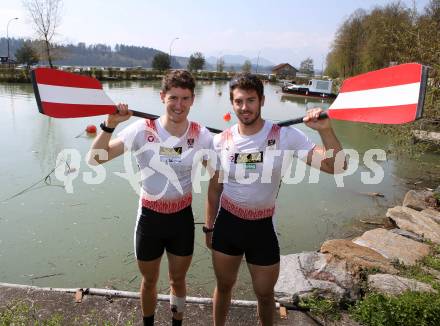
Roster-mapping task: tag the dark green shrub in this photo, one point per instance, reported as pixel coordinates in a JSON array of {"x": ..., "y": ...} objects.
[{"x": 409, "y": 309}]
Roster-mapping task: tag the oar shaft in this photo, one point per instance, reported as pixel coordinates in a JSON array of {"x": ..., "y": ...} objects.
[
  {"x": 290, "y": 122},
  {"x": 284, "y": 123},
  {"x": 154, "y": 117},
  {"x": 144, "y": 115}
]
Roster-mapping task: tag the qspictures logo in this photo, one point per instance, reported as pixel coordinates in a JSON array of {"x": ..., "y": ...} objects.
[{"x": 156, "y": 168}]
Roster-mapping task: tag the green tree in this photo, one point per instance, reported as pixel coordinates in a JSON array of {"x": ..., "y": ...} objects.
[
  {"x": 343, "y": 59},
  {"x": 27, "y": 55},
  {"x": 161, "y": 61},
  {"x": 247, "y": 66},
  {"x": 393, "y": 34},
  {"x": 196, "y": 61},
  {"x": 307, "y": 67}
]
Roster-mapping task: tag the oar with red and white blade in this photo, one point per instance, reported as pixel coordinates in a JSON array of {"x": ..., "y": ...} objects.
[
  {"x": 62, "y": 94},
  {"x": 393, "y": 95}
]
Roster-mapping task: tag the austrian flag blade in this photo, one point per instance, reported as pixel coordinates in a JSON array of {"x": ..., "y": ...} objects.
[
  {"x": 61, "y": 94},
  {"x": 392, "y": 95}
]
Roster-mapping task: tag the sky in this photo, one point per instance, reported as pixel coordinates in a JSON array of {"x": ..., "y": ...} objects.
[{"x": 279, "y": 30}]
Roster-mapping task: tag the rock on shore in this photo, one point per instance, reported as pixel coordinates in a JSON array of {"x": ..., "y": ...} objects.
[
  {"x": 313, "y": 273},
  {"x": 335, "y": 272},
  {"x": 394, "y": 285},
  {"x": 420, "y": 223},
  {"x": 393, "y": 246}
]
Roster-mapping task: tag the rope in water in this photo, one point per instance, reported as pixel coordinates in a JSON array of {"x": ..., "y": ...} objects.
[{"x": 46, "y": 179}]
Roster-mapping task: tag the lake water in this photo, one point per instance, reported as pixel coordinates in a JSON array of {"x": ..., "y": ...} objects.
[{"x": 49, "y": 237}]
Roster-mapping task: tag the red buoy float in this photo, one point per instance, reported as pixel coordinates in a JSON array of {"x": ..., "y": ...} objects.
[
  {"x": 227, "y": 117},
  {"x": 91, "y": 129}
]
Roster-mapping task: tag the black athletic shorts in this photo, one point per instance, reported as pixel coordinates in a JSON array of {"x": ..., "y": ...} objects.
[
  {"x": 156, "y": 232},
  {"x": 256, "y": 239}
]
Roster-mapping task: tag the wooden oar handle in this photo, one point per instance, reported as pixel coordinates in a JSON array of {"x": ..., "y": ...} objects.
[{"x": 322, "y": 115}]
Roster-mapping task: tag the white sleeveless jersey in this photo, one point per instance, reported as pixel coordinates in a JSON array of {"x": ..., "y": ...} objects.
[
  {"x": 251, "y": 167},
  {"x": 165, "y": 162}
]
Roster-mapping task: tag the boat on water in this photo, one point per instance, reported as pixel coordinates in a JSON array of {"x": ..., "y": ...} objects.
[{"x": 315, "y": 88}]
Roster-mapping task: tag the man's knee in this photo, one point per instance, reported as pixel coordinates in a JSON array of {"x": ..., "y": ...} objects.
[
  {"x": 148, "y": 283},
  {"x": 177, "y": 281},
  {"x": 225, "y": 285},
  {"x": 265, "y": 297}
]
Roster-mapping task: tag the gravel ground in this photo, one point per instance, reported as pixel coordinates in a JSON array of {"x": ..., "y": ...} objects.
[{"x": 101, "y": 310}]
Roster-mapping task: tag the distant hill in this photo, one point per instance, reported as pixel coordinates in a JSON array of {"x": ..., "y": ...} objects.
[
  {"x": 235, "y": 62},
  {"x": 123, "y": 55},
  {"x": 239, "y": 60},
  {"x": 98, "y": 54}
]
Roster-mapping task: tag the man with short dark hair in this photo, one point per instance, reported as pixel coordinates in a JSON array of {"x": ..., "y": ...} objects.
[
  {"x": 165, "y": 220},
  {"x": 242, "y": 195}
]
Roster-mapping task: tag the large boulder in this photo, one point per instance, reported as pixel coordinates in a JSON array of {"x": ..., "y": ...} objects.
[
  {"x": 433, "y": 214},
  {"x": 407, "y": 234},
  {"x": 357, "y": 257},
  {"x": 417, "y": 199},
  {"x": 312, "y": 274},
  {"x": 394, "y": 285},
  {"x": 414, "y": 221},
  {"x": 393, "y": 246}
]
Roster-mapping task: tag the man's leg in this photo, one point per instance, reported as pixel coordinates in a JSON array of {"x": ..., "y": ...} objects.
[
  {"x": 226, "y": 269},
  {"x": 263, "y": 281},
  {"x": 177, "y": 269},
  {"x": 150, "y": 275}
]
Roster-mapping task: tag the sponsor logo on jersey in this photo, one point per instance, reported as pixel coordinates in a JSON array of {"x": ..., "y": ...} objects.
[
  {"x": 170, "y": 154},
  {"x": 256, "y": 157}
]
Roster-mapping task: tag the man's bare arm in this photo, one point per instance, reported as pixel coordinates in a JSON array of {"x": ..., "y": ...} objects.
[{"x": 103, "y": 142}]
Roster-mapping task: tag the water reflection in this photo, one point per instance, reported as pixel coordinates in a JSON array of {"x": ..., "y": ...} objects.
[
  {"x": 48, "y": 142},
  {"x": 128, "y": 84},
  {"x": 14, "y": 91},
  {"x": 308, "y": 102},
  {"x": 119, "y": 84}
]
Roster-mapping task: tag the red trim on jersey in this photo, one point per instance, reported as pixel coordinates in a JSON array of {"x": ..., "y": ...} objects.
[
  {"x": 245, "y": 213},
  {"x": 149, "y": 123},
  {"x": 226, "y": 138},
  {"x": 151, "y": 134},
  {"x": 168, "y": 206},
  {"x": 194, "y": 131},
  {"x": 274, "y": 133}
]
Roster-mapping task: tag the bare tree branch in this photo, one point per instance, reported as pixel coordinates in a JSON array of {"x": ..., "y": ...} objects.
[{"x": 45, "y": 16}]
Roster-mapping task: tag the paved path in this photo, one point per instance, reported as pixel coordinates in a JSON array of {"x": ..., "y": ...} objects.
[{"x": 97, "y": 310}]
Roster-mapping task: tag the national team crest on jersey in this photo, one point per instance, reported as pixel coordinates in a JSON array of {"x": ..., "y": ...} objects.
[
  {"x": 270, "y": 142},
  {"x": 190, "y": 142},
  {"x": 150, "y": 138}
]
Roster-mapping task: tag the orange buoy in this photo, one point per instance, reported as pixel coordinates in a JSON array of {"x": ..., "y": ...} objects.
[
  {"x": 227, "y": 117},
  {"x": 91, "y": 129}
]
